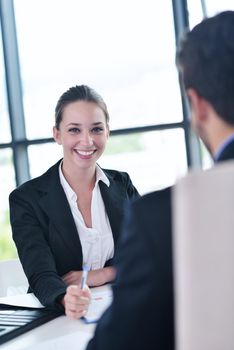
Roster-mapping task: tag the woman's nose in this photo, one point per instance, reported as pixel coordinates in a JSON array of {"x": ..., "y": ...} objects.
[{"x": 86, "y": 138}]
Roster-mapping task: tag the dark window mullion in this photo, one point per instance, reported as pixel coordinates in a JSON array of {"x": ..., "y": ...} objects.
[
  {"x": 14, "y": 91},
  {"x": 181, "y": 23}
]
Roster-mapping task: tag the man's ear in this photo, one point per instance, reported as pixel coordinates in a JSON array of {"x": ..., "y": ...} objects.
[
  {"x": 198, "y": 104},
  {"x": 57, "y": 136}
]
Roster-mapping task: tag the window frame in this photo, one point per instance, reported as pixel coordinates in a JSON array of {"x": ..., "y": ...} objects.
[{"x": 20, "y": 143}]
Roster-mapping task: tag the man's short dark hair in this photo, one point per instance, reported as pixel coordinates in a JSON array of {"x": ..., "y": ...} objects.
[{"x": 205, "y": 57}]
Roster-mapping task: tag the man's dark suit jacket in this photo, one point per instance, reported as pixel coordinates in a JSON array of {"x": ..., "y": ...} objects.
[
  {"x": 142, "y": 313},
  {"x": 45, "y": 233}
]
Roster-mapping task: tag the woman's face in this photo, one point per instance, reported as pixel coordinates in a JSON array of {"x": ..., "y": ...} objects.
[{"x": 83, "y": 133}]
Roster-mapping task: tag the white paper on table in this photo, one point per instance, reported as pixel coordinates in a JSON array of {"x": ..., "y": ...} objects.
[
  {"x": 77, "y": 340},
  {"x": 99, "y": 303},
  {"x": 23, "y": 300}
]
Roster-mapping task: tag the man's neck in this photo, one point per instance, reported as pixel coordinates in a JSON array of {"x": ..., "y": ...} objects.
[{"x": 217, "y": 133}]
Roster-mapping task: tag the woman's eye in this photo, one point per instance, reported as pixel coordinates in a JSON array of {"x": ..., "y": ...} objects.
[
  {"x": 97, "y": 130},
  {"x": 74, "y": 130}
]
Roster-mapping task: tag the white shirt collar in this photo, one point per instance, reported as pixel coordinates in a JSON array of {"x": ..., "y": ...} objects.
[
  {"x": 100, "y": 176},
  {"x": 67, "y": 188}
]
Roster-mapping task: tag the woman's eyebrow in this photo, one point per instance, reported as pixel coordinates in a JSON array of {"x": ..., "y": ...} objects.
[{"x": 79, "y": 124}]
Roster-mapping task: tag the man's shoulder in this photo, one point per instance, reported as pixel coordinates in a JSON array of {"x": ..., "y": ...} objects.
[
  {"x": 152, "y": 208},
  {"x": 151, "y": 199}
]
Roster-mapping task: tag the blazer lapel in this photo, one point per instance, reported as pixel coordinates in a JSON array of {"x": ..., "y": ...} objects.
[
  {"x": 113, "y": 200},
  {"x": 56, "y": 206}
]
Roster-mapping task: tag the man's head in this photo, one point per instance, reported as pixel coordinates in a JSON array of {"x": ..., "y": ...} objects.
[{"x": 205, "y": 59}]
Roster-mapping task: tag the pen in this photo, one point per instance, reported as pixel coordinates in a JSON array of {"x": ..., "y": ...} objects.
[{"x": 84, "y": 276}]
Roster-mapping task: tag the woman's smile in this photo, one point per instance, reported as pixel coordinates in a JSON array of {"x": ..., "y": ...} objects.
[{"x": 85, "y": 154}]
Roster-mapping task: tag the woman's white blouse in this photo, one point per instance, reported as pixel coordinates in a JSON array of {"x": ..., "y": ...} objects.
[{"x": 97, "y": 242}]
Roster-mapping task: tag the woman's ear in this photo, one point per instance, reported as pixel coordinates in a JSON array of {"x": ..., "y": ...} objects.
[{"x": 57, "y": 135}]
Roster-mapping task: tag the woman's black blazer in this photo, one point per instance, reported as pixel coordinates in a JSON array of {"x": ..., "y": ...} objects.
[{"x": 45, "y": 233}]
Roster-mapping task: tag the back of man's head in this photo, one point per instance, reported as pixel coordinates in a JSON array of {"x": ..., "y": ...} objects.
[{"x": 206, "y": 60}]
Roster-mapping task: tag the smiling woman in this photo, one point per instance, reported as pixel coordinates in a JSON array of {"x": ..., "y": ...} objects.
[
  {"x": 71, "y": 215},
  {"x": 83, "y": 132}
]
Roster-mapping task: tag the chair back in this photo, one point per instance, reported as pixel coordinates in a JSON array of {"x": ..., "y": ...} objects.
[{"x": 203, "y": 252}]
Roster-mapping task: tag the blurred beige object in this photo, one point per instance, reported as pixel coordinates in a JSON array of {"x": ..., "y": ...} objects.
[{"x": 203, "y": 244}]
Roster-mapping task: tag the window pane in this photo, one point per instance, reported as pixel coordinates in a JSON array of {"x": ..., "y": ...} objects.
[
  {"x": 211, "y": 6},
  {"x": 4, "y": 117},
  {"x": 124, "y": 49},
  {"x": 7, "y": 184},
  {"x": 214, "y": 6},
  {"x": 152, "y": 159},
  {"x": 51, "y": 154},
  {"x": 207, "y": 160},
  {"x": 195, "y": 12}
]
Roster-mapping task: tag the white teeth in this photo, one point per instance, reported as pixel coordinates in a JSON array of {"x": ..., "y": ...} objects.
[{"x": 85, "y": 153}]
